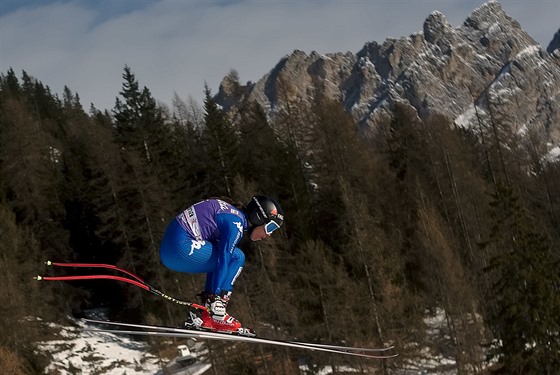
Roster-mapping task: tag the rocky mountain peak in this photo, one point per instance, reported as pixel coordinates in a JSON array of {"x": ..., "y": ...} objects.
[
  {"x": 554, "y": 46},
  {"x": 488, "y": 60},
  {"x": 438, "y": 31}
]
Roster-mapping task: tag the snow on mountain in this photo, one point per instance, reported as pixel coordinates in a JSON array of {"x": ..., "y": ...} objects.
[{"x": 489, "y": 61}]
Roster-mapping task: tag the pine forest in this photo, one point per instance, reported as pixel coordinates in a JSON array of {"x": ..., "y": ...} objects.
[{"x": 382, "y": 228}]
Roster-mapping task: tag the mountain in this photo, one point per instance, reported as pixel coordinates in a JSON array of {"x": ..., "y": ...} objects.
[
  {"x": 554, "y": 46},
  {"x": 489, "y": 66}
]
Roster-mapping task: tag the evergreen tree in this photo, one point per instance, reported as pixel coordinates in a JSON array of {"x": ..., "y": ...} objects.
[
  {"x": 293, "y": 122},
  {"x": 525, "y": 278},
  {"x": 138, "y": 120},
  {"x": 184, "y": 163},
  {"x": 220, "y": 144},
  {"x": 387, "y": 222},
  {"x": 19, "y": 253},
  {"x": 9, "y": 84},
  {"x": 268, "y": 162},
  {"x": 30, "y": 168}
]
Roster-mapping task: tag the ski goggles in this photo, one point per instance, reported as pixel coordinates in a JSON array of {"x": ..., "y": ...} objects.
[{"x": 270, "y": 227}]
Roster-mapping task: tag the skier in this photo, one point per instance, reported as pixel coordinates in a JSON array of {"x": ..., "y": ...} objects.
[{"x": 203, "y": 239}]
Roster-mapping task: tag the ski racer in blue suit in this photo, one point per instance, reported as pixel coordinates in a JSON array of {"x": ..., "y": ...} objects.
[{"x": 204, "y": 238}]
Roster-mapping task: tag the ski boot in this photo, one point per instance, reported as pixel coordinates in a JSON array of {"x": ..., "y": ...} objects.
[
  {"x": 194, "y": 319},
  {"x": 216, "y": 319},
  {"x": 195, "y": 314}
]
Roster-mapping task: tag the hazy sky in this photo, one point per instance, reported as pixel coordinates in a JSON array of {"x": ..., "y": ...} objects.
[{"x": 177, "y": 45}]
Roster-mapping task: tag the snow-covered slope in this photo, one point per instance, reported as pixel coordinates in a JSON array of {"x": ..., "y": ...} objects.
[{"x": 76, "y": 350}]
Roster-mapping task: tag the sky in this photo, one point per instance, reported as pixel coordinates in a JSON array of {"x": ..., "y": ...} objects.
[{"x": 176, "y": 46}]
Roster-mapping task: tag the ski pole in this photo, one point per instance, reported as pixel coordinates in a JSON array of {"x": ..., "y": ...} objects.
[
  {"x": 94, "y": 265},
  {"x": 137, "y": 281}
]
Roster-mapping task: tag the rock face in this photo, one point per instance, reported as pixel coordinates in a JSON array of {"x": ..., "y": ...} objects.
[
  {"x": 554, "y": 46},
  {"x": 489, "y": 61}
]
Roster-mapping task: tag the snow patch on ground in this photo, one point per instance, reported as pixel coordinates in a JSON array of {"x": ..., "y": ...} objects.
[
  {"x": 305, "y": 370},
  {"x": 428, "y": 361},
  {"x": 77, "y": 351}
]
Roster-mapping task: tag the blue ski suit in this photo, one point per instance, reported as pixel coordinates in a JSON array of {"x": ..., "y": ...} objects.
[{"x": 203, "y": 239}]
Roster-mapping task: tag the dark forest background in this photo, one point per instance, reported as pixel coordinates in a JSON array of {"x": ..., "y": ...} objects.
[{"x": 381, "y": 230}]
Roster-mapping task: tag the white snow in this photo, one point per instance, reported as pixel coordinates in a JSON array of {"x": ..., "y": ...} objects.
[
  {"x": 465, "y": 120},
  {"x": 428, "y": 361},
  {"x": 76, "y": 350},
  {"x": 553, "y": 155},
  {"x": 84, "y": 352},
  {"x": 305, "y": 370},
  {"x": 532, "y": 49}
]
